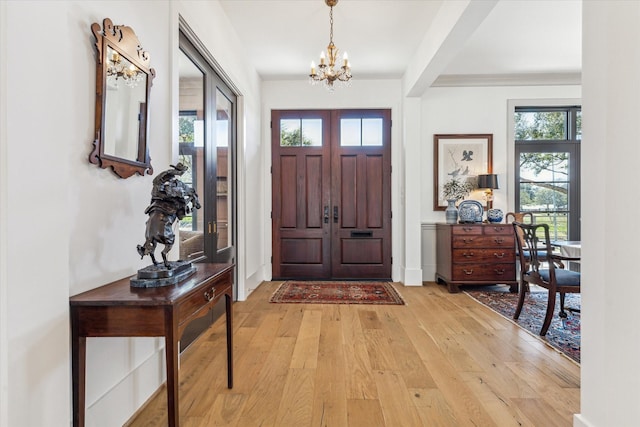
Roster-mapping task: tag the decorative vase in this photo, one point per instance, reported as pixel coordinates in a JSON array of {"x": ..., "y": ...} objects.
[
  {"x": 494, "y": 215},
  {"x": 451, "y": 212}
]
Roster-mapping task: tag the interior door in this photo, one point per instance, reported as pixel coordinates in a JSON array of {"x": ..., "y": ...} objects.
[{"x": 331, "y": 187}]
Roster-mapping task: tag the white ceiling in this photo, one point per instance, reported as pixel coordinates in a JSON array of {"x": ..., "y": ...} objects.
[{"x": 381, "y": 36}]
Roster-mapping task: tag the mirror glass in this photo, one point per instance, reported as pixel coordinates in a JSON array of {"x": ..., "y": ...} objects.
[
  {"x": 125, "y": 103},
  {"x": 123, "y": 83}
]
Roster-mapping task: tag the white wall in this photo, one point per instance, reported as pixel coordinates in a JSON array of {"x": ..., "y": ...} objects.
[
  {"x": 71, "y": 226},
  {"x": 300, "y": 94},
  {"x": 610, "y": 152}
]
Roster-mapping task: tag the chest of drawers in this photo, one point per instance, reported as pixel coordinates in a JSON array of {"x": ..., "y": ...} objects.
[{"x": 475, "y": 254}]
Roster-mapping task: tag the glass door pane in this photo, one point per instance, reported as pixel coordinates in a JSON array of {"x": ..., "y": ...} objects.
[
  {"x": 224, "y": 186},
  {"x": 191, "y": 143}
]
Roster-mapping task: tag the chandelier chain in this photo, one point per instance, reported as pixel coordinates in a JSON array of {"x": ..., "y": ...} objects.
[{"x": 331, "y": 25}]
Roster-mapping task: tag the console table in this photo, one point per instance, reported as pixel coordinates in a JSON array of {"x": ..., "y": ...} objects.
[
  {"x": 475, "y": 254},
  {"x": 119, "y": 310}
]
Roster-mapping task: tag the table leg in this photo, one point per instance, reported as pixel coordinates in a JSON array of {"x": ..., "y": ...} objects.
[
  {"x": 171, "y": 353},
  {"x": 78, "y": 368},
  {"x": 229, "y": 314}
]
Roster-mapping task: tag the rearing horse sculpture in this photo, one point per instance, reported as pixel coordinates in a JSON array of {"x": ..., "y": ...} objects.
[{"x": 171, "y": 199}]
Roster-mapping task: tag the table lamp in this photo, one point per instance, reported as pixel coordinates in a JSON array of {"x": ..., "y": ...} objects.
[{"x": 489, "y": 182}]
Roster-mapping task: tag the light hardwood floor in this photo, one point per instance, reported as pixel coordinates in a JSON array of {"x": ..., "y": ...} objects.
[{"x": 441, "y": 360}]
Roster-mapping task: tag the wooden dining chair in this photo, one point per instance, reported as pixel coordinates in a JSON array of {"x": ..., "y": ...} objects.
[
  {"x": 511, "y": 217},
  {"x": 543, "y": 271}
]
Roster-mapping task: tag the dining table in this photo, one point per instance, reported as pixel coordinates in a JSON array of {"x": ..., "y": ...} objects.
[{"x": 571, "y": 249}]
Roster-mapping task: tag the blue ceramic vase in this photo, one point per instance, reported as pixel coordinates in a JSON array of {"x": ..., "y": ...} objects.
[
  {"x": 451, "y": 212},
  {"x": 495, "y": 215}
]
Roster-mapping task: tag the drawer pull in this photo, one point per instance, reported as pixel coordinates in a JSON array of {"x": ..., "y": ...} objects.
[
  {"x": 499, "y": 241},
  {"x": 499, "y": 271},
  {"x": 467, "y": 240},
  {"x": 468, "y": 254},
  {"x": 498, "y": 228},
  {"x": 498, "y": 255},
  {"x": 468, "y": 272},
  {"x": 467, "y": 229},
  {"x": 210, "y": 295}
]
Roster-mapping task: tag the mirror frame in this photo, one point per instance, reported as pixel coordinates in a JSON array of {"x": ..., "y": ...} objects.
[{"x": 124, "y": 41}]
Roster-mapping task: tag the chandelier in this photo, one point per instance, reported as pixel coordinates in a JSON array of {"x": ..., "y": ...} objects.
[
  {"x": 118, "y": 68},
  {"x": 327, "y": 73}
]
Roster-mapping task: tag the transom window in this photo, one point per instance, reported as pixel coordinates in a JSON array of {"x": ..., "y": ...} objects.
[
  {"x": 361, "y": 132},
  {"x": 300, "y": 132}
]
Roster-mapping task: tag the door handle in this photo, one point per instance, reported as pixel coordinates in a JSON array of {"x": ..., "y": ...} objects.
[
  {"x": 326, "y": 214},
  {"x": 335, "y": 214}
]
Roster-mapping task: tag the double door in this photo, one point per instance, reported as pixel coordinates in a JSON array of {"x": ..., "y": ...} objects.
[{"x": 331, "y": 194}]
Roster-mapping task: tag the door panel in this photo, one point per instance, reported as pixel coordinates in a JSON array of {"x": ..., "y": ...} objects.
[{"x": 332, "y": 201}]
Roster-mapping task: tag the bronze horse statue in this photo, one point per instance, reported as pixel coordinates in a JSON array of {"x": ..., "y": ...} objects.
[{"x": 171, "y": 199}]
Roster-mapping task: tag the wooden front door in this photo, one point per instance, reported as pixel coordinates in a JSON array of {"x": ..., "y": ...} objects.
[{"x": 331, "y": 188}]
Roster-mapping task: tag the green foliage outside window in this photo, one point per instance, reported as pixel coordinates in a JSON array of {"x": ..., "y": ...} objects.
[
  {"x": 185, "y": 128},
  {"x": 541, "y": 125},
  {"x": 293, "y": 138}
]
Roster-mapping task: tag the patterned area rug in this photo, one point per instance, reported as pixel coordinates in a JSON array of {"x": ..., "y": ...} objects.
[
  {"x": 337, "y": 293},
  {"x": 563, "y": 334}
]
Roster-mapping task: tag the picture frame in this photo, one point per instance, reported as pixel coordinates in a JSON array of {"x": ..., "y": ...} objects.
[{"x": 461, "y": 156}]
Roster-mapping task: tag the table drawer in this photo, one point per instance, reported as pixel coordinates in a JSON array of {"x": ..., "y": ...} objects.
[
  {"x": 484, "y": 241},
  {"x": 486, "y": 272},
  {"x": 203, "y": 298},
  {"x": 472, "y": 255}
]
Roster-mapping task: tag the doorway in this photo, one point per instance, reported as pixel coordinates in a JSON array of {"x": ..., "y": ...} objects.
[{"x": 331, "y": 194}]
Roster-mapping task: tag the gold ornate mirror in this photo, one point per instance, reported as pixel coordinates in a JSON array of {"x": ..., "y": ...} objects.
[{"x": 123, "y": 83}]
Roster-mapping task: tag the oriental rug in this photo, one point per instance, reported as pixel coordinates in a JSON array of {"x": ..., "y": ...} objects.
[
  {"x": 336, "y": 293},
  {"x": 563, "y": 334}
]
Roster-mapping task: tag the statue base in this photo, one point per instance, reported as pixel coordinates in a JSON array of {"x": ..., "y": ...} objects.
[{"x": 154, "y": 276}]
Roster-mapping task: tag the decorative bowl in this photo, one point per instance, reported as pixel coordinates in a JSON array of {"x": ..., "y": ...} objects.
[
  {"x": 495, "y": 215},
  {"x": 470, "y": 211}
]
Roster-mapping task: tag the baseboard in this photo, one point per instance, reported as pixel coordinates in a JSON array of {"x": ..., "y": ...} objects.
[
  {"x": 128, "y": 395},
  {"x": 160, "y": 390},
  {"x": 579, "y": 421},
  {"x": 412, "y": 277}
]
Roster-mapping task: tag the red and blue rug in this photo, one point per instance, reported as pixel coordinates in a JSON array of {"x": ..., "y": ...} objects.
[
  {"x": 563, "y": 334},
  {"x": 336, "y": 293}
]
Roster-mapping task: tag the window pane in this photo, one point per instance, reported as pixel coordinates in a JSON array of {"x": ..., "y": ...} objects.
[
  {"x": 543, "y": 166},
  {"x": 301, "y": 132},
  {"x": 579, "y": 125},
  {"x": 544, "y": 190},
  {"x": 372, "y": 132},
  {"x": 544, "y": 196},
  {"x": 558, "y": 223},
  {"x": 312, "y": 132},
  {"x": 541, "y": 125},
  {"x": 290, "y": 133},
  {"x": 350, "y": 132}
]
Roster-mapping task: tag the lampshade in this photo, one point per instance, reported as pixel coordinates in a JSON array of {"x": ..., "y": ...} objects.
[{"x": 488, "y": 181}]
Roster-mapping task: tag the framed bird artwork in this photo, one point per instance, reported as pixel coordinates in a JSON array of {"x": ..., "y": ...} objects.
[{"x": 460, "y": 157}]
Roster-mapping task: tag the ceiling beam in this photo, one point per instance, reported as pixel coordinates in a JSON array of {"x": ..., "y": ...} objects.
[{"x": 454, "y": 24}]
